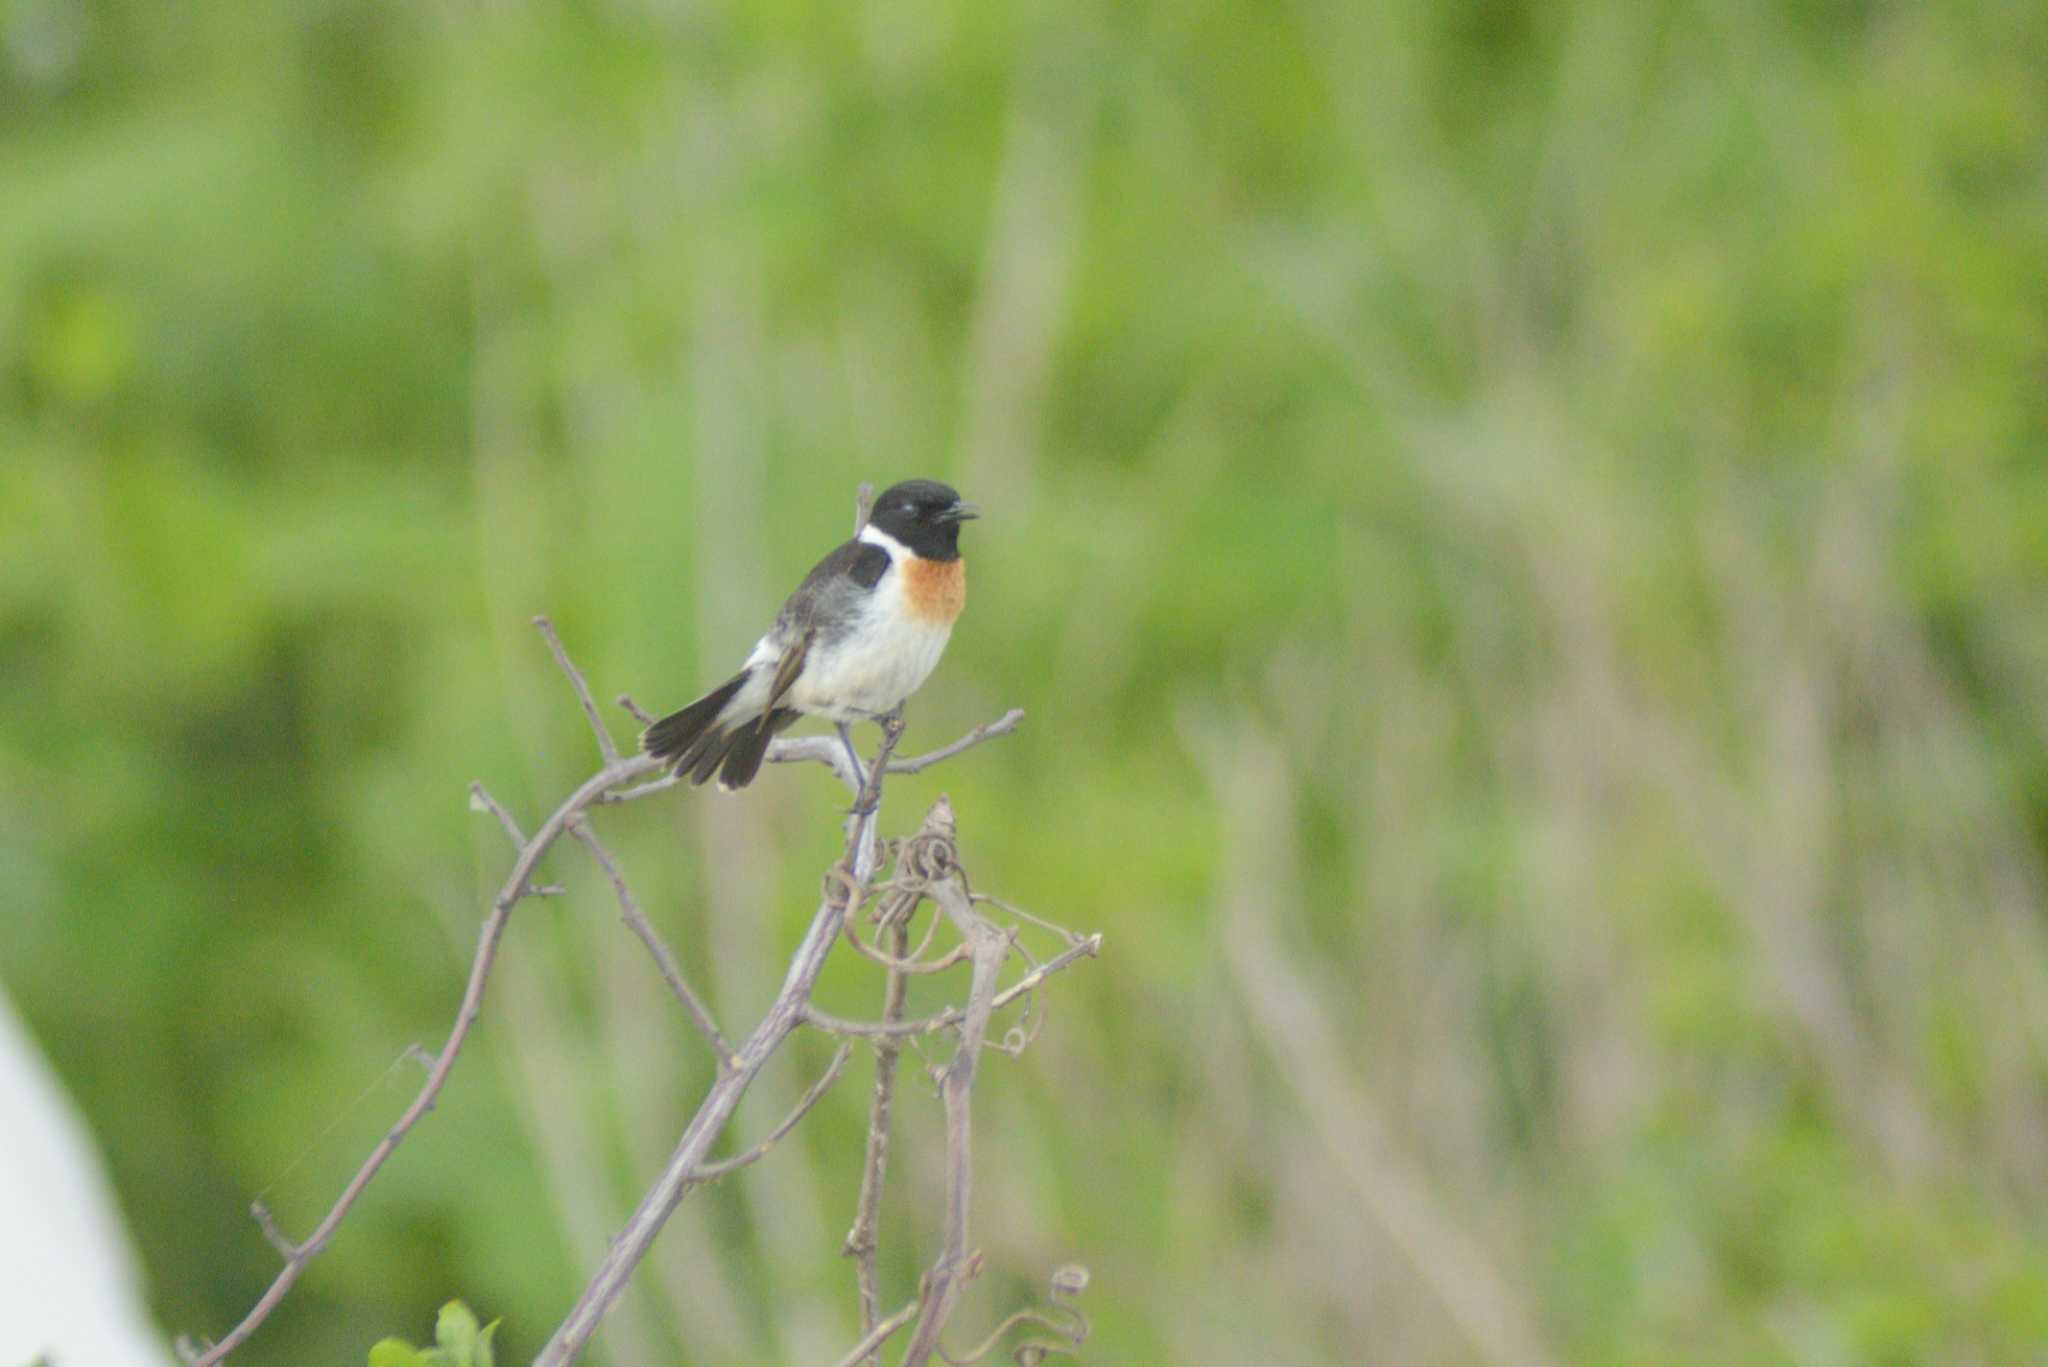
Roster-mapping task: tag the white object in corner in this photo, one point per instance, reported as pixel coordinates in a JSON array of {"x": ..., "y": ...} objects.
[{"x": 70, "y": 1291}]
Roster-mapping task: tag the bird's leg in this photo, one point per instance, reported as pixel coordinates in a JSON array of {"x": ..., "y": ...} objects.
[
  {"x": 860, "y": 773},
  {"x": 870, "y": 795}
]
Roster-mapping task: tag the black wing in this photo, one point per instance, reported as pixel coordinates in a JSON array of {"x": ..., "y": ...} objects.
[
  {"x": 829, "y": 598},
  {"x": 833, "y": 593}
]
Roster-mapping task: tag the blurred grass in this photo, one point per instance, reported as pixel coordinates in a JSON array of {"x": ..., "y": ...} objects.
[{"x": 1584, "y": 462}]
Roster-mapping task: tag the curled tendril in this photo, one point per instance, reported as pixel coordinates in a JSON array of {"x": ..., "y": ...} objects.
[
  {"x": 921, "y": 861},
  {"x": 927, "y": 858},
  {"x": 1070, "y": 1329}
]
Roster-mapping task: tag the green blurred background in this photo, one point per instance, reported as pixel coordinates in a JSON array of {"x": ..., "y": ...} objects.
[{"x": 1522, "y": 531}]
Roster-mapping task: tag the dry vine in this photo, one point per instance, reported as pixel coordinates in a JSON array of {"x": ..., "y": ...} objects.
[{"x": 927, "y": 867}]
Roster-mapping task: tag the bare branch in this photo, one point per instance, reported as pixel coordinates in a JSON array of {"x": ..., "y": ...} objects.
[
  {"x": 869, "y": 1346},
  {"x": 952, "y": 1015},
  {"x": 664, "y": 959},
  {"x": 1072, "y": 937},
  {"x": 725, "y": 1167},
  {"x": 862, "y": 1241},
  {"x": 1068, "y": 1282},
  {"x": 869, "y": 798},
  {"x": 906, "y": 962},
  {"x": 863, "y": 507},
  {"x": 480, "y": 800},
  {"x": 928, "y": 862},
  {"x": 607, "y": 749},
  {"x": 827, "y": 751},
  {"x": 515, "y": 887},
  {"x": 953, "y": 1267},
  {"x": 267, "y": 1222},
  {"x": 784, "y": 1015},
  {"x": 638, "y": 791},
  {"x": 483, "y": 801},
  {"x": 634, "y": 710},
  {"x": 518, "y": 885},
  {"x": 1001, "y": 726},
  {"x": 824, "y": 750}
]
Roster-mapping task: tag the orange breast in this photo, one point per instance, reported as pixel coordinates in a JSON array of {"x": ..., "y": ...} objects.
[{"x": 934, "y": 590}]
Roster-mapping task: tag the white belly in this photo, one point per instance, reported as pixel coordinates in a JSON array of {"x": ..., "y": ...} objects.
[
  {"x": 873, "y": 665},
  {"x": 876, "y": 667}
]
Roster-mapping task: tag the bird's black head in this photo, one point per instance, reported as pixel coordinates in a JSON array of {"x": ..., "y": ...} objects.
[{"x": 924, "y": 515}]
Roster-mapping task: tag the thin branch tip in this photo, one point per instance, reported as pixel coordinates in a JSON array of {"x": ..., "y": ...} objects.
[
  {"x": 926, "y": 866},
  {"x": 636, "y": 921},
  {"x": 275, "y": 1236},
  {"x": 711, "y": 1172},
  {"x": 606, "y": 746},
  {"x": 678, "y": 1175}
]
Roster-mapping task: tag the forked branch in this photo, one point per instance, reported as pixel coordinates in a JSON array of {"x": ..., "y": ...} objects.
[
  {"x": 927, "y": 867},
  {"x": 620, "y": 778},
  {"x": 784, "y": 1015},
  {"x": 988, "y": 947}
]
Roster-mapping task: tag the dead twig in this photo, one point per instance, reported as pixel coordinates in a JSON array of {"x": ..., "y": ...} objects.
[
  {"x": 725, "y": 1167},
  {"x": 827, "y": 751},
  {"x": 952, "y": 1015},
  {"x": 608, "y": 785},
  {"x": 908, "y": 961},
  {"x": 1067, "y": 1284},
  {"x": 517, "y": 886},
  {"x": 926, "y": 865},
  {"x": 482, "y": 801},
  {"x": 989, "y": 947},
  {"x": 664, "y": 959},
  {"x": 862, "y": 1240},
  {"x": 1001, "y": 726},
  {"x": 267, "y": 1222},
  {"x": 870, "y": 1346},
  {"x": 784, "y": 1015},
  {"x": 607, "y": 748}
]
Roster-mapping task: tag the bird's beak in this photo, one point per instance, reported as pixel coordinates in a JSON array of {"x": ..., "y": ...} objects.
[{"x": 962, "y": 511}]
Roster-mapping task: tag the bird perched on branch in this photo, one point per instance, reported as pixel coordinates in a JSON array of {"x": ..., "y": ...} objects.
[{"x": 859, "y": 635}]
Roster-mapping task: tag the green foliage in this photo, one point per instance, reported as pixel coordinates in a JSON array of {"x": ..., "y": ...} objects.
[
  {"x": 1587, "y": 460},
  {"x": 458, "y": 1342}
]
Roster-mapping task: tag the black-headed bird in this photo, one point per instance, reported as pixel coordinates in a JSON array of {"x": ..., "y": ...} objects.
[{"x": 860, "y": 634}]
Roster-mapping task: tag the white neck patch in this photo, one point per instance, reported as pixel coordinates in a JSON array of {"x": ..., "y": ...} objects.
[{"x": 875, "y": 536}]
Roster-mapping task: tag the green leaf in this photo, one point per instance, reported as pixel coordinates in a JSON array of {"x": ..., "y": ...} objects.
[
  {"x": 456, "y": 1330},
  {"x": 458, "y": 1340},
  {"x": 396, "y": 1353}
]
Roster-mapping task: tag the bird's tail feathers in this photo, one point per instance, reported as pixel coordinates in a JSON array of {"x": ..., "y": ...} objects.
[
  {"x": 742, "y": 759},
  {"x": 675, "y": 737}
]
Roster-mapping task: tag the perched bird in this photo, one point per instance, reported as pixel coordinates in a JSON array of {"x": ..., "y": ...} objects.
[{"x": 859, "y": 635}]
